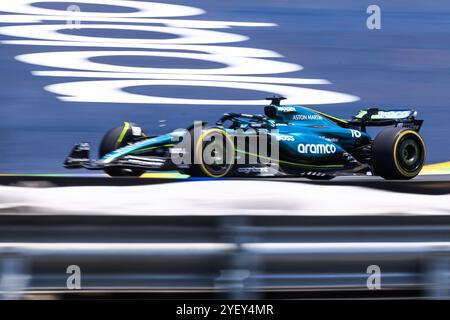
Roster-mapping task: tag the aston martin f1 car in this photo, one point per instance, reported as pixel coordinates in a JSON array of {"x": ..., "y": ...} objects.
[{"x": 297, "y": 141}]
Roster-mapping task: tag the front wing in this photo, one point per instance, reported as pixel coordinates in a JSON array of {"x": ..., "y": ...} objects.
[{"x": 79, "y": 158}]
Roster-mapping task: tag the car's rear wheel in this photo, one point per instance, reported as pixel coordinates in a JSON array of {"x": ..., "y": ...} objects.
[
  {"x": 212, "y": 154},
  {"x": 115, "y": 139},
  {"x": 398, "y": 154}
]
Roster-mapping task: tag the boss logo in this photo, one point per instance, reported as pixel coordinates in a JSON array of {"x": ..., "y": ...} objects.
[
  {"x": 285, "y": 138},
  {"x": 316, "y": 148}
]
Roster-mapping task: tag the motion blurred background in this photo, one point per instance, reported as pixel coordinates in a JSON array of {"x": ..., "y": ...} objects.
[{"x": 226, "y": 239}]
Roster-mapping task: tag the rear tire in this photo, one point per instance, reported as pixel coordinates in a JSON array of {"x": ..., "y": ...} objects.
[
  {"x": 398, "y": 154},
  {"x": 115, "y": 139}
]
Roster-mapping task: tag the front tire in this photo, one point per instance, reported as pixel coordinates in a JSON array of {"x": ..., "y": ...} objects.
[
  {"x": 115, "y": 139},
  {"x": 398, "y": 154}
]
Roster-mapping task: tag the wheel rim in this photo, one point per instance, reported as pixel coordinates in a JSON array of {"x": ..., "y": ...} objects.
[
  {"x": 215, "y": 162},
  {"x": 219, "y": 160},
  {"x": 410, "y": 154}
]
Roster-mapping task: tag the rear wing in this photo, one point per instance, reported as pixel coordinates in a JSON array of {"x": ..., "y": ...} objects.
[{"x": 374, "y": 117}]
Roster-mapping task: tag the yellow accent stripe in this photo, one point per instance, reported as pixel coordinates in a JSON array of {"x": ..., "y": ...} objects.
[
  {"x": 164, "y": 175},
  {"x": 399, "y": 168},
  {"x": 436, "y": 168},
  {"x": 126, "y": 126}
]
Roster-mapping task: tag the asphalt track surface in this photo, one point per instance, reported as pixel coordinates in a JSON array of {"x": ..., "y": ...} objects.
[
  {"x": 427, "y": 185},
  {"x": 405, "y": 64}
]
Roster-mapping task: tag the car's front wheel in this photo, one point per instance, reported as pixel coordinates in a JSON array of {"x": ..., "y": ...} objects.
[
  {"x": 115, "y": 139},
  {"x": 398, "y": 154}
]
